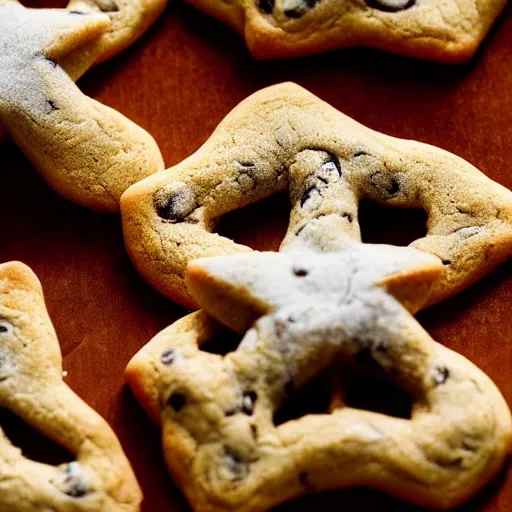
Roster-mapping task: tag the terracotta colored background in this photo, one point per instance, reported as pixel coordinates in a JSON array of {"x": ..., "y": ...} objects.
[{"x": 178, "y": 82}]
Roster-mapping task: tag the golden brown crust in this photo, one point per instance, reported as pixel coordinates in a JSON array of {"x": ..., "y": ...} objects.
[
  {"x": 313, "y": 308},
  {"x": 284, "y": 137},
  {"x": 438, "y": 30},
  {"x": 86, "y": 151},
  {"x": 31, "y": 386},
  {"x": 130, "y": 19}
]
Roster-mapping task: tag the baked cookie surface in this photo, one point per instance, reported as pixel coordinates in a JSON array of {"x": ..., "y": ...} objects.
[
  {"x": 129, "y": 19},
  {"x": 284, "y": 137},
  {"x": 86, "y": 151},
  {"x": 307, "y": 309},
  {"x": 439, "y": 30},
  {"x": 100, "y": 479}
]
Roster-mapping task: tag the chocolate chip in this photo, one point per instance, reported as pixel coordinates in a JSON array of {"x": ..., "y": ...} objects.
[
  {"x": 441, "y": 375},
  {"x": 334, "y": 161},
  {"x": 447, "y": 262},
  {"x": 266, "y": 6},
  {"x": 52, "y": 105},
  {"x": 365, "y": 358},
  {"x": 348, "y": 216},
  {"x": 248, "y": 401},
  {"x": 330, "y": 171},
  {"x": 391, "y": 5},
  {"x": 308, "y": 194},
  {"x": 107, "y": 6},
  {"x": 74, "y": 486},
  {"x": 385, "y": 184},
  {"x": 5, "y": 327},
  {"x": 167, "y": 357},
  {"x": 236, "y": 465},
  {"x": 300, "y": 272},
  {"x": 176, "y": 206},
  {"x": 177, "y": 401},
  {"x": 394, "y": 187},
  {"x": 301, "y": 8},
  {"x": 51, "y": 62}
]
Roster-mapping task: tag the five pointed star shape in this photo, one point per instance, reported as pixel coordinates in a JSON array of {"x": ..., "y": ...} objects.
[
  {"x": 32, "y": 39},
  {"x": 326, "y": 300},
  {"x": 339, "y": 286}
]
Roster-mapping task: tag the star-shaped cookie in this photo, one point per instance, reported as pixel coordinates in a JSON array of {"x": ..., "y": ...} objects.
[
  {"x": 285, "y": 138},
  {"x": 308, "y": 310},
  {"x": 98, "y": 476},
  {"x": 86, "y": 151},
  {"x": 439, "y": 30},
  {"x": 238, "y": 290}
]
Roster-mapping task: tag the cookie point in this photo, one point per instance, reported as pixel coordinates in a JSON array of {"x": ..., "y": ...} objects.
[{"x": 16, "y": 272}]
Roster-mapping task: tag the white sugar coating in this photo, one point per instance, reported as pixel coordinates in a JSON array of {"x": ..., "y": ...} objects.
[
  {"x": 30, "y": 37},
  {"x": 315, "y": 302},
  {"x": 87, "y": 152},
  {"x": 309, "y": 311},
  {"x": 332, "y": 268}
]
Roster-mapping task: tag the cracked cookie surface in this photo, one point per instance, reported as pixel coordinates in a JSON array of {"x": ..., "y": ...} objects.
[
  {"x": 284, "y": 137},
  {"x": 31, "y": 387},
  {"x": 86, "y": 151},
  {"x": 306, "y": 309},
  {"x": 439, "y": 30}
]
